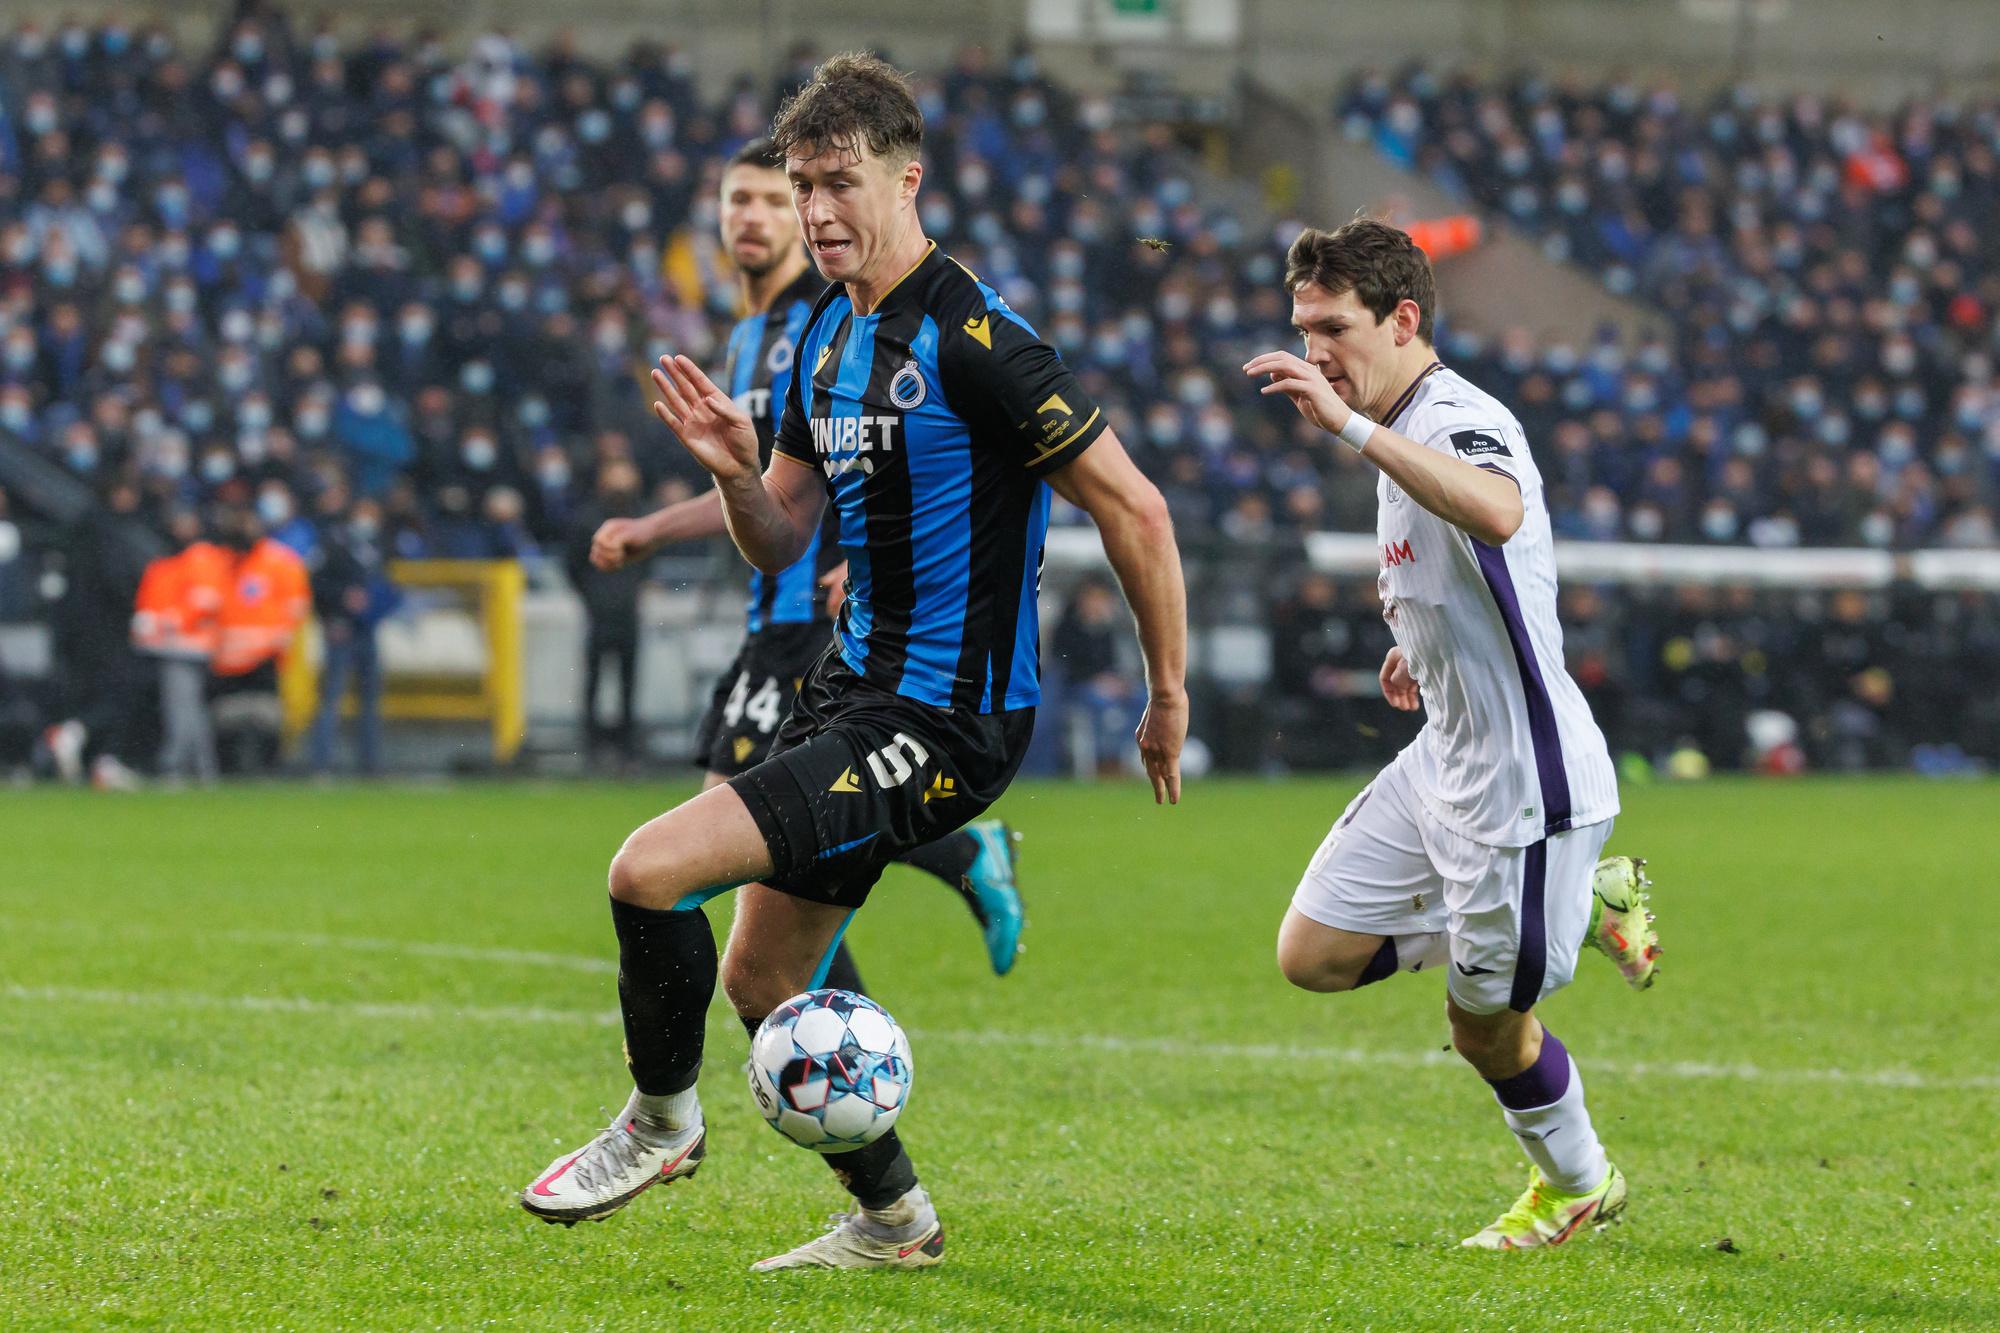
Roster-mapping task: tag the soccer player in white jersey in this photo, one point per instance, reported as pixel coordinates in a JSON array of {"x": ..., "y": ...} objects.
[{"x": 1477, "y": 850}]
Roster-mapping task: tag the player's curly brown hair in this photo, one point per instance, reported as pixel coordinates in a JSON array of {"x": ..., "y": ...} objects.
[
  {"x": 853, "y": 100},
  {"x": 1379, "y": 263}
]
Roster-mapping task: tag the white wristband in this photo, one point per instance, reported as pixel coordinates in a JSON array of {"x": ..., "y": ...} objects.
[{"x": 1356, "y": 432}]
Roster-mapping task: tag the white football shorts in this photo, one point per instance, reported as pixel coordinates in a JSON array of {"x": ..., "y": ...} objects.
[{"x": 1515, "y": 916}]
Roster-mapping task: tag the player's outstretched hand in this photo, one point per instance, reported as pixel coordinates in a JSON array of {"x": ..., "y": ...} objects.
[
  {"x": 708, "y": 422},
  {"x": 1399, "y": 687},
  {"x": 1302, "y": 382},
  {"x": 617, "y": 542},
  {"x": 1162, "y": 730},
  {"x": 833, "y": 585}
]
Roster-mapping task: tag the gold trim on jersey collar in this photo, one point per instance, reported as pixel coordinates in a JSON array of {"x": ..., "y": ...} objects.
[
  {"x": 929, "y": 250},
  {"x": 1402, "y": 402}
]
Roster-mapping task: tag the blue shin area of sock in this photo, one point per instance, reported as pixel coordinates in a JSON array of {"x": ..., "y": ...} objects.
[{"x": 826, "y": 962}]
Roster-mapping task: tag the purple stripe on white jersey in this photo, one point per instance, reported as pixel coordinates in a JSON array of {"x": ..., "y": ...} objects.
[
  {"x": 1531, "y": 960},
  {"x": 1541, "y": 710}
]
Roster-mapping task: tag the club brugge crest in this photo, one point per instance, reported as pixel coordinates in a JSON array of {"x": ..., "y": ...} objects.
[
  {"x": 906, "y": 390},
  {"x": 779, "y": 359}
]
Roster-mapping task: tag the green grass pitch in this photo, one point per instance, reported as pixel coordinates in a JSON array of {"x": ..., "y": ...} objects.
[{"x": 282, "y": 1058}]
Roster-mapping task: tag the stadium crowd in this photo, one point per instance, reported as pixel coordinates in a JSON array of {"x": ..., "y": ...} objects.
[
  {"x": 1832, "y": 277},
  {"x": 375, "y": 299}
]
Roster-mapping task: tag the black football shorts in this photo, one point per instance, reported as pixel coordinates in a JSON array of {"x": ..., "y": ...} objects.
[
  {"x": 754, "y": 696},
  {"x": 858, "y": 776}
]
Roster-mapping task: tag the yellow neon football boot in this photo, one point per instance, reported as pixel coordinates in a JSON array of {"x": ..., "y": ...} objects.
[
  {"x": 1544, "y": 1216},
  {"x": 1621, "y": 924}
]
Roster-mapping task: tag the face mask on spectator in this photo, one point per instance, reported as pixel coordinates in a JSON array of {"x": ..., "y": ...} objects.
[
  {"x": 609, "y": 337},
  {"x": 490, "y": 245},
  {"x": 1970, "y": 414},
  {"x": 1648, "y": 523},
  {"x": 1905, "y": 290},
  {"x": 130, "y": 288},
  {"x": 1749, "y": 439},
  {"x": 477, "y": 377},
  {"x": 258, "y": 167},
  {"x": 367, "y": 399},
  {"x": 1895, "y": 448},
  {"x": 415, "y": 329},
  {"x": 20, "y": 353},
  {"x": 254, "y": 415},
  {"x": 553, "y": 474},
  {"x": 1834, "y": 429},
  {"x": 274, "y": 507},
  {"x": 82, "y": 457},
  {"x": 974, "y": 180},
  {"x": 594, "y": 126},
  {"x": 1164, "y": 428},
  {"x": 358, "y": 332},
  {"x": 534, "y": 413},
  {"x": 102, "y": 197},
  {"x": 513, "y": 295},
  {"x": 251, "y": 447},
  {"x": 1878, "y": 529},
  {"x": 1871, "y": 405},
  {"x": 197, "y": 415},
  {"x": 311, "y": 422},
  {"x": 1899, "y": 358},
  {"x": 625, "y": 94},
  {"x": 1215, "y": 431},
  {"x": 1806, "y": 402},
  {"x": 249, "y": 48},
  {"x": 118, "y": 357},
  {"x": 479, "y": 453},
  {"x": 1195, "y": 390},
  {"x": 539, "y": 250},
  {"x": 217, "y": 468},
  {"x": 1718, "y": 523},
  {"x": 225, "y": 242},
  {"x": 15, "y": 415},
  {"x": 1910, "y": 402},
  {"x": 937, "y": 216},
  {"x": 1108, "y": 349},
  {"x": 466, "y": 286},
  {"x": 59, "y": 271},
  {"x": 319, "y": 171}
]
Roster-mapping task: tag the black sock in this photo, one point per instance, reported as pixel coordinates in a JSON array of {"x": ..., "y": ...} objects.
[
  {"x": 842, "y": 974},
  {"x": 666, "y": 977},
  {"x": 876, "y": 1175},
  {"x": 949, "y": 858}
]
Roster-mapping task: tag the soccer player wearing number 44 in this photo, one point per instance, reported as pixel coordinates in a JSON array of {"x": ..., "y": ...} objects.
[
  {"x": 788, "y": 626},
  {"x": 935, "y": 422},
  {"x": 1477, "y": 850}
]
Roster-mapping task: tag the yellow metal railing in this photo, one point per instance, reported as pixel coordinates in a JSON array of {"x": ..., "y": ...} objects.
[{"x": 495, "y": 696}]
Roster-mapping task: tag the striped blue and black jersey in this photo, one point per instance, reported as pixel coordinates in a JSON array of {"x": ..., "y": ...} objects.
[
  {"x": 758, "y": 371},
  {"x": 934, "y": 419}
]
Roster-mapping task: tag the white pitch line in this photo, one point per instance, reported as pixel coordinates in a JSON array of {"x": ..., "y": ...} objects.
[
  {"x": 461, "y": 952},
  {"x": 1171, "y": 1047}
]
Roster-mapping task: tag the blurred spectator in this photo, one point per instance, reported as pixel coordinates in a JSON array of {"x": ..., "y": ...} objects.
[
  {"x": 1101, "y": 703},
  {"x": 101, "y": 675},
  {"x": 264, "y": 603},
  {"x": 177, "y": 620},
  {"x": 611, "y": 605},
  {"x": 351, "y": 595}
]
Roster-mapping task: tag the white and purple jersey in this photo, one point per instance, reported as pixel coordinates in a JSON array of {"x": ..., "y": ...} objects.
[{"x": 1509, "y": 752}]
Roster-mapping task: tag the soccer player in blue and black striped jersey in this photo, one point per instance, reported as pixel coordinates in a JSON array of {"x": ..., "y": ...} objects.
[
  {"x": 936, "y": 423},
  {"x": 788, "y": 628}
]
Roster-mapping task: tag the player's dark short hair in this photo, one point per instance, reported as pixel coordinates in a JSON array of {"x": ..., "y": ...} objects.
[
  {"x": 758, "y": 153},
  {"x": 1379, "y": 263},
  {"x": 854, "y": 100}
]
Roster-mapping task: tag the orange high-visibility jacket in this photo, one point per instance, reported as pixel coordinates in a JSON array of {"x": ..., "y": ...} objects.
[
  {"x": 180, "y": 602},
  {"x": 263, "y": 604}
]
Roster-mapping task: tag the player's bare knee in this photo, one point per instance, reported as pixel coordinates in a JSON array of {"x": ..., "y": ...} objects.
[
  {"x": 1493, "y": 1044},
  {"x": 642, "y": 877}
]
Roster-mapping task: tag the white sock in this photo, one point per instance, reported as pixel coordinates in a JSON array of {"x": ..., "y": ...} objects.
[
  {"x": 1559, "y": 1138},
  {"x": 1417, "y": 953},
  {"x": 668, "y": 1113}
]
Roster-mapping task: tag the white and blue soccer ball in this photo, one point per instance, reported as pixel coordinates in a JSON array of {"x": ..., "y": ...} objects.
[{"x": 830, "y": 1070}]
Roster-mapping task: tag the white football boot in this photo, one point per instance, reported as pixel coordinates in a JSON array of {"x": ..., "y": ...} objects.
[
  {"x": 613, "y": 1169},
  {"x": 906, "y": 1234}
]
